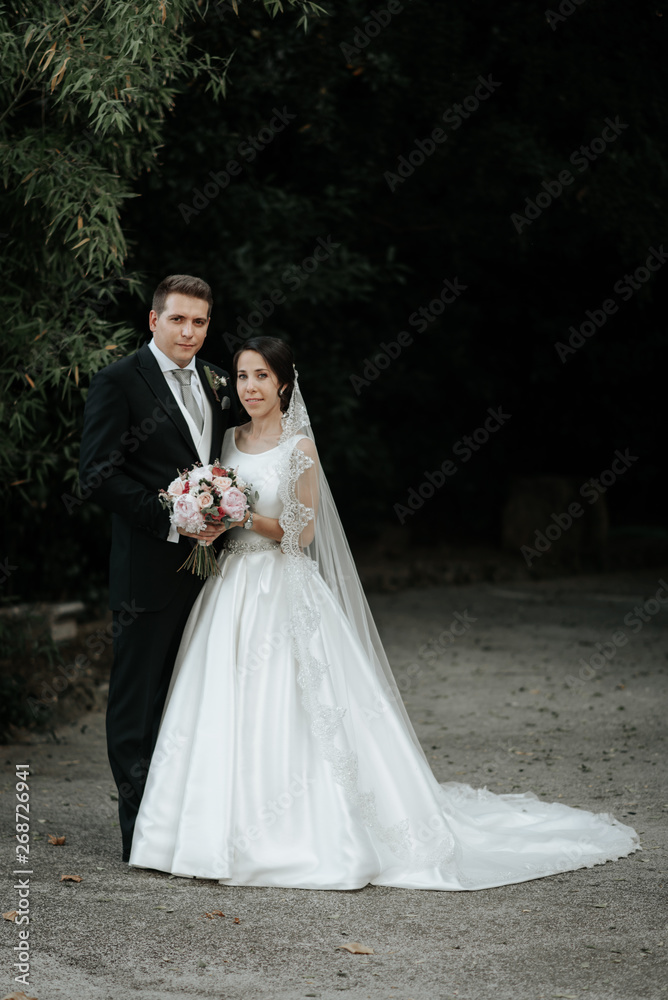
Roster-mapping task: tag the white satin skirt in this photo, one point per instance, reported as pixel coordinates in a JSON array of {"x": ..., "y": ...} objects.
[{"x": 239, "y": 791}]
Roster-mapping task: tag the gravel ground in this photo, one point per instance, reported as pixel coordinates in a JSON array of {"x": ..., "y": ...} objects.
[{"x": 509, "y": 705}]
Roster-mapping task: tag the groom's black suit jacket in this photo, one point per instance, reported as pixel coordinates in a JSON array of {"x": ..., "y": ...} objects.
[{"x": 135, "y": 441}]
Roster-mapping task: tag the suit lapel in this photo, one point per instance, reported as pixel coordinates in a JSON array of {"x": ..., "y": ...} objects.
[
  {"x": 216, "y": 412},
  {"x": 150, "y": 370}
]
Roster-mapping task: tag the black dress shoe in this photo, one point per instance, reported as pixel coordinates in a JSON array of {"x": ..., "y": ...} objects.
[{"x": 126, "y": 855}]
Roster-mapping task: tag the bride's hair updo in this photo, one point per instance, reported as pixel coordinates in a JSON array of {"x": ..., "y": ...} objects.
[{"x": 278, "y": 357}]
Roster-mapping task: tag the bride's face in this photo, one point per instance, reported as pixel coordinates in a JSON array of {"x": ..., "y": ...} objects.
[{"x": 257, "y": 385}]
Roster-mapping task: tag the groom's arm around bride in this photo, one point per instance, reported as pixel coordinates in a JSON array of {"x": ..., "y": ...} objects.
[{"x": 148, "y": 416}]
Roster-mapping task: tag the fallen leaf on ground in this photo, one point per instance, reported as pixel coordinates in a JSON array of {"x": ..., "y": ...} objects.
[
  {"x": 11, "y": 914},
  {"x": 355, "y": 948},
  {"x": 70, "y": 878},
  {"x": 56, "y": 840},
  {"x": 18, "y": 996}
]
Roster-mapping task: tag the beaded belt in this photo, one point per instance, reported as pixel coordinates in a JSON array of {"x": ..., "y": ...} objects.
[{"x": 261, "y": 545}]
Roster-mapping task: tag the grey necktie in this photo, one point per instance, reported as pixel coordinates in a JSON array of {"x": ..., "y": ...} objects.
[{"x": 184, "y": 375}]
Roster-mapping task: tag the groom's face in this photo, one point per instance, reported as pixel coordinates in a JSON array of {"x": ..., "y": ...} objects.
[{"x": 180, "y": 329}]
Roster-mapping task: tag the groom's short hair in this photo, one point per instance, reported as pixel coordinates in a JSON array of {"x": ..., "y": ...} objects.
[{"x": 185, "y": 284}]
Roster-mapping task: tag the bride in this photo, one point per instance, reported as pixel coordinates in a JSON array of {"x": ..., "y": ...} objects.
[{"x": 285, "y": 755}]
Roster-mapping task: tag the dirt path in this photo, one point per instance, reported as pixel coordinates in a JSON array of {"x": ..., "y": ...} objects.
[{"x": 513, "y": 704}]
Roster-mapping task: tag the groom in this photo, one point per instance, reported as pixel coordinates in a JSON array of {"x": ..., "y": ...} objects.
[{"x": 147, "y": 417}]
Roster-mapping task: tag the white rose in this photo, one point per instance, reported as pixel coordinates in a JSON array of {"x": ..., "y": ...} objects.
[{"x": 199, "y": 473}]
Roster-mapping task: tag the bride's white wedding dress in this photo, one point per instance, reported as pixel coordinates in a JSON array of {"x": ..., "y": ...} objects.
[{"x": 240, "y": 790}]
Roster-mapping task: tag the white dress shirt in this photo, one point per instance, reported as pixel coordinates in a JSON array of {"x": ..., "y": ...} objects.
[{"x": 167, "y": 367}]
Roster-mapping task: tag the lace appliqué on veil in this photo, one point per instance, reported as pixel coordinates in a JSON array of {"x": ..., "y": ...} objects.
[{"x": 327, "y": 719}]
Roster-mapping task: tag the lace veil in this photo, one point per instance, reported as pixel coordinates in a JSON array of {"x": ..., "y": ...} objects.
[{"x": 337, "y": 703}]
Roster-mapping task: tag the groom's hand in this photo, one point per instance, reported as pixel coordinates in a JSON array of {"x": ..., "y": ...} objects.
[{"x": 208, "y": 534}]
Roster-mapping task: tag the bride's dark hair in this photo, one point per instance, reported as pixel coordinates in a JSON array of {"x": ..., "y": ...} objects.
[{"x": 278, "y": 357}]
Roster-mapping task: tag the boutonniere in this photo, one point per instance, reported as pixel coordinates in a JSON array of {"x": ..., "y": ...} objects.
[{"x": 215, "y": 381}]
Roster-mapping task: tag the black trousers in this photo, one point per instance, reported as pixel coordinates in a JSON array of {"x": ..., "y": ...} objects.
[{"x": 145, "y": 648}]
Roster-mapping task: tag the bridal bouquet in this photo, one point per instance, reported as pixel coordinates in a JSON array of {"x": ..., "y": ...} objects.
[{"x": 206, "y": 494}]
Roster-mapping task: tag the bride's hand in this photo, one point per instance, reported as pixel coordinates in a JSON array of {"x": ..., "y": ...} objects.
[
  {"x": 207, "y": 535},
  {"x": 240, "y": 524},
  {"x": 225, "y": 527}
]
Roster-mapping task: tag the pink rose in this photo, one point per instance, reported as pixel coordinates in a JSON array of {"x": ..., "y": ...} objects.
[
  {"x": 175, "y": 489},
  {"x": 234, "y": 503},
  {"x": 222, "y": 483},
  {"x": 204, "y": 500}
]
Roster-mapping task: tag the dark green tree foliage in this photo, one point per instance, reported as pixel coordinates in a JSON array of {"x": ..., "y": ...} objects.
[
  {"x": 86, "y": 90},
  {"x": 517, "y": 153}
]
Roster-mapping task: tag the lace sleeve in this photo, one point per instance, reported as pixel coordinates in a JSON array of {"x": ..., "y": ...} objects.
[{"x": 299, "y": 493}]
